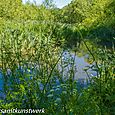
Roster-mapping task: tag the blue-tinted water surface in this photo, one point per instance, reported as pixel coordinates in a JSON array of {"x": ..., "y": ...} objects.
[{"x": 79, "y": 66}]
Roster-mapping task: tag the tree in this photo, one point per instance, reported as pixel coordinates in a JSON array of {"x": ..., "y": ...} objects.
[
  {"x": 48, "y": 4},
  {"x": 9, "y": 8}
]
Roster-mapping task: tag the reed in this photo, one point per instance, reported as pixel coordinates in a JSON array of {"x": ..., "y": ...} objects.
[{"x": 30, "y": 59}]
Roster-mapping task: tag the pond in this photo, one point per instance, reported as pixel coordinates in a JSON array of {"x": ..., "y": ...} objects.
[{"x": 79, "y": 64}]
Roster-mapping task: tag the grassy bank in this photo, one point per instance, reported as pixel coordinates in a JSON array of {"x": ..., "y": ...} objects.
[
  {"x": 33, "y": 40},
  {"x": 29, "y": 66}
]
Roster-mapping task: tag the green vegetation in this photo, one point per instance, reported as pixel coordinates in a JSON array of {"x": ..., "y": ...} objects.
[{"x": 33, "y": 40}]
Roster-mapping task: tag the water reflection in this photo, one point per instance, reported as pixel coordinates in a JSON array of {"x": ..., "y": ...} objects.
[
  {"x": 80, "y": 65},
  {"x": 68, "y": 64}
]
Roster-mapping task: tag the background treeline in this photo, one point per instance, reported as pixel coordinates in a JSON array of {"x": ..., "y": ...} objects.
[{"x": 94, "y": 18}]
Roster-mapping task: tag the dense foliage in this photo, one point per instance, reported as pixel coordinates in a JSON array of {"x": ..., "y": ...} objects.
[
  {"x": 33, "y": 40},
  {"x": 94, "y": 18}
]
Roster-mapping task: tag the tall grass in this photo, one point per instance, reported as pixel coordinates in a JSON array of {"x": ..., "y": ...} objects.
[{"x": 30, "y": 59}]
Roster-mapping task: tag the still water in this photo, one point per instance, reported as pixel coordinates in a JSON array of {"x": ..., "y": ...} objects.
[{"x": 79, "y": 66}]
